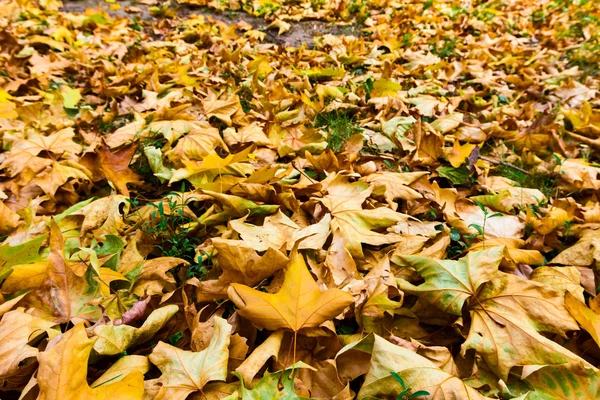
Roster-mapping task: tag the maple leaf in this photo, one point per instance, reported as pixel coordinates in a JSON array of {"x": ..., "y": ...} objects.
[
  {"x": 114, "y": 339},
  {"x": 17, "y": 330},
  {"x": 587, "y": 318},
  {"x": 115, "y": 167},
  {"x": 279, "y": 384},
  {"x": 240, "y": 264},
  {"x": 414, "y": 370},
  {"x": 222, "y": 109},
  {"x": 504, "y": 309},
  {"x": 59, "y": 143},
  {"x": 62, "y": 293},
  {"x": 63, "y": 370},
  {"x": 298, "y": 304},
  {"x": 185, "y": 372},
  {"x": 344, "y": 200}
]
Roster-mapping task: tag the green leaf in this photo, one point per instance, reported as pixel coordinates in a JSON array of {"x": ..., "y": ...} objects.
[
  {"x": 73, "y": 208},
  {"x": 277, "y": 385},
  {"x": 398, "y": 378},
  {"x": 458, "y": 176},
  {"x": 558, "y": 382},
  {"x": 113, "y": 244},
  {"x": 24, "y": 253},
  {"x": 419, "y": 394}
]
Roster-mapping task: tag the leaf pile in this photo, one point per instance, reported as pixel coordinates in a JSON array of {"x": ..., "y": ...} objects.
[{"x": 191, "y": 212}]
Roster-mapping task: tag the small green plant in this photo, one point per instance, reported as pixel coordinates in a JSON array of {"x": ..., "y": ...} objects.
[
  {"x": 168, "y": 224},
  {"x": 457, "y": 245},
  {"x": 199, "y": 270},
  {"x": 481, "y": 228},
  {"x": 339, "y": 126},
  {"x": 174, "y": 338},
  {"x": 406, "y": 40},
  {"x": 447, "y": 50},
  {"x": 538, "y": 16},
  {"x": 543, "y": 182},
  {"x": 406, "y": 394},
  {"x": 136, "y": 24}
]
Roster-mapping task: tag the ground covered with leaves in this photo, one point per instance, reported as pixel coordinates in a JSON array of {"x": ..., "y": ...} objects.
[{"x": 191, "y": 210}]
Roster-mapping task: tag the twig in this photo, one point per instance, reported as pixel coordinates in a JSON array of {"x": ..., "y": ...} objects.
[
  {"x": 504, "y": 163},
  {"x": 585, "y": 140}
]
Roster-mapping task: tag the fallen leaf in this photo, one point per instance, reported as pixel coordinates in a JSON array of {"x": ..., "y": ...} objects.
[
  {"x": 298, "y": 304},
  {"x": 63, "y": 371}
]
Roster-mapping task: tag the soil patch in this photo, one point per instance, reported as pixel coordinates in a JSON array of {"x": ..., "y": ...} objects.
[{"x": 302, "y": 32}]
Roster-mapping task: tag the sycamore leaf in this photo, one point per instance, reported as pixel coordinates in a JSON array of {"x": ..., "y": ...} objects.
[
  {"x": 397, "y": 126},
  {"x": 458, "y": 176},
  {"x": 153, "y": 278},
  {"x": 255, "y": 361},
  {"x": 447, "y": 123},
  {"x": 274, "y": 232},
  {"x": 252, "y": 133},
  {"x": 222, "y": 109},
  {"x": 23, "y": 253},
  {"x": 212, "y": 165},
  {"x": 63, "y": 370},
  {"x": 238, "y": 207},
  {"x": 123, "y": 367},
  {"x": 57, "y": 174},
  {"x": 506, "y": 318},
  {"x": 115, "y": 339},
  {"x": 17, "y": 329},
  {"x": 558, "y": 382},
  {"x": 584, "y": 253},
  {"x": 298, "y": 304},
  {"x": 185, "y": 372},
  {"x": 416, "y": 372},
  {"x": 59, "y": 143},
  {"x": 588, "y": 319},
  {"x": 277, "y": 385},
  {"x": 449, "y": 284},
  {"x": 394, "y": 185},
  {"x": 507, "y": 312},
  {"x": 240, "y": 264},
  {"x": 173, "y": 130},
  {"x": 115, "y": 167},
  {"x": 70, "y": 96},
  {"x": 357, "y": 225},
  {"x": 460, "y": 153},
  {"x": 62, "y": 293},
  {"x": 201, "y": 140},
  {"x": 9, "y": 219}
]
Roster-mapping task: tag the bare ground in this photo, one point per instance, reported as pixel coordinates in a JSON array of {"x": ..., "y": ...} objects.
[{"x": 302, "y": 32}]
